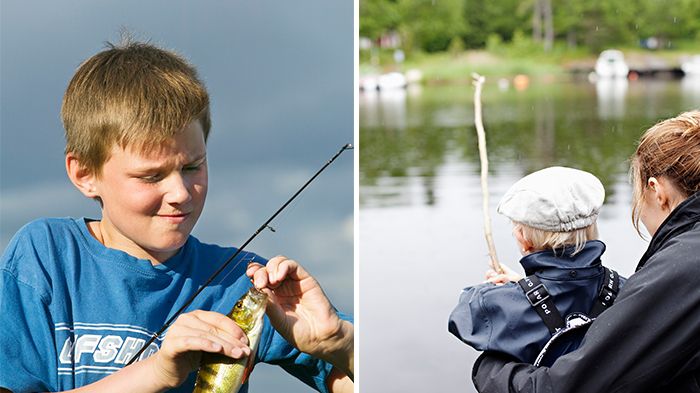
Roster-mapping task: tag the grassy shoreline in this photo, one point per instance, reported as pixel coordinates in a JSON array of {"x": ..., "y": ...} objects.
[{"x": 506, "y": 63}]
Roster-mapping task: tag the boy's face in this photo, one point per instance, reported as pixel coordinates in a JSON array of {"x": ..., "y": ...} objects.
[{"x": 152, "y": 199}]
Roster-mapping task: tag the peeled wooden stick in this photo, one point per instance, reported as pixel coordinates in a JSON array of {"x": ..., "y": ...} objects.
[{"x": 478, "y": 81}]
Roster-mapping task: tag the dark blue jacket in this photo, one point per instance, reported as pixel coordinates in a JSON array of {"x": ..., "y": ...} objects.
[
  {"x": 500, "y": 318},
  {"x": 648, "y": 341}
]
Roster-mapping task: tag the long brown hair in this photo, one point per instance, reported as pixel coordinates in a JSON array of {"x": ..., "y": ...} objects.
[{"x": 671, "y": 148}]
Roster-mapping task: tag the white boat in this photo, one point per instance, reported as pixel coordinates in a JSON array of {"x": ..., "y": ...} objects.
[
  {"x": 611, "y": 64},
  {"x": 384, "y": 82},
  {"x": 391, "y": 81},
  {"x": 368, "y": 83},
  {"x": 691, "y": 66}
]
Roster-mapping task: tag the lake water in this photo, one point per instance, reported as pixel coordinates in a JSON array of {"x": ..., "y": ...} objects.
[{"x": 421, "y": 232}]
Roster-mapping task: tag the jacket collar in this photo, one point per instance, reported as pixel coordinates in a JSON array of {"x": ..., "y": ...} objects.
[
  {"x": 588, "y": 257},
  {"x": 680, "y": 220}
]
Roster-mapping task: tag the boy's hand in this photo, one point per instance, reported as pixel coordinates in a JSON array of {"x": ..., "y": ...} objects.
[
  {"x": 301, "y": 312},
  {"x": 192, "y": 333},
  {"x": 500, "y": 279}
]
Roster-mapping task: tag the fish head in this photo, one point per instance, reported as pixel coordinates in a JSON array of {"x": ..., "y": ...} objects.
[{"x": 249, "y": 309}]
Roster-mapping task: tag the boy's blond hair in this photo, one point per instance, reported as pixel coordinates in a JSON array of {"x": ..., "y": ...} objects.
[
  {"x": 133, "y": 95},
  {"x": 546, "y": 240}
]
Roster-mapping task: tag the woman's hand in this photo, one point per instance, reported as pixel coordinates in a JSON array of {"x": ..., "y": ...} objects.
[
  {"x": 302, "y": 314},
  {"x": 500, "y": 279}
]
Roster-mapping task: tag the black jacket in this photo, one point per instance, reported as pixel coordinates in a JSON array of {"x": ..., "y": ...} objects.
[{"x": 648, "y": 341}]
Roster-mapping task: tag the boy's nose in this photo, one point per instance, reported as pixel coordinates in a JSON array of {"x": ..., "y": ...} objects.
[{"x": 177, "y": 191}]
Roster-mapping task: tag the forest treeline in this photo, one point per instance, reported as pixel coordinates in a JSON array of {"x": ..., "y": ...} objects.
[{"x": 436, "y": 25}]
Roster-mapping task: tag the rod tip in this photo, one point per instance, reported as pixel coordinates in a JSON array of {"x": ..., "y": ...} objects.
[{"x": 348, "y": 146}]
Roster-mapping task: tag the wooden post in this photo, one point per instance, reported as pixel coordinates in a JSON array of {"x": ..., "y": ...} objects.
[{"x": 478, "y": 81}]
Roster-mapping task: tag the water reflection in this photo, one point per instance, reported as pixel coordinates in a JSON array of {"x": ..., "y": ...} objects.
[
  {"x": 562, "y": 125},
  {"x": 611, "y": 97},
  {"x": 690, "y": 89},
  {"x": 386, "y": 108},
  {"x": 544, "y": 131}
]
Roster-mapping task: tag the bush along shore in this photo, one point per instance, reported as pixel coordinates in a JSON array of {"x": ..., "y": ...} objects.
[{"x": 456, "y": 66}]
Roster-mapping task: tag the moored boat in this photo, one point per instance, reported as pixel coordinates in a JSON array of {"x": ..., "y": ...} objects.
[{"x": 611, "y": 64}]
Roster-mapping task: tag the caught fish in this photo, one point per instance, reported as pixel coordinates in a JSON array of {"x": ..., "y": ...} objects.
[{"x": 222, "y": 374}]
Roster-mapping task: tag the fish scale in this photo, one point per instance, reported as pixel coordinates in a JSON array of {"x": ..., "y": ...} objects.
[{"x": 222, "y": 374}]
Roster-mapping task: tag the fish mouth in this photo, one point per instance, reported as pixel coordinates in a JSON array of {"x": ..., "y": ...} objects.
[
  {"x": 257, "y": 297},
  {"x": 257, "y": 294}
]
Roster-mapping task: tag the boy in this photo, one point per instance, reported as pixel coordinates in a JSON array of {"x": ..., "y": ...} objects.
[
  {"x": 554, "y": 214},
  {"x": 80, "y": 297}
]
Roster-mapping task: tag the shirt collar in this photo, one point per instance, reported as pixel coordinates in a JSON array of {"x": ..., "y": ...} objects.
[
  {"x": 681, "y": 218},
  {"x": 589, "y": 256}
]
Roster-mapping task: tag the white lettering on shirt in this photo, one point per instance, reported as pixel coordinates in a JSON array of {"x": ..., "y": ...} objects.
[
  {"x": 129, "y": 349},
  {"x": 66, "y": 356},
  {"x": 85, "y": 344},
  {"x": 107, "y": 349}
]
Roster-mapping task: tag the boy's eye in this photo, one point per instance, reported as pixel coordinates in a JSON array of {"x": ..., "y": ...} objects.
[
  {"x": 194, "y": 167},
  {"x": 151, "y": 178}
]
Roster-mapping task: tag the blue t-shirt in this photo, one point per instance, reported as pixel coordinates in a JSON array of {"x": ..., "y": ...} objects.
[{"x": 73, "y": 311}]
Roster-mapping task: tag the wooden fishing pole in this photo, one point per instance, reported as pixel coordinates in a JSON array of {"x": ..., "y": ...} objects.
[{"x": 478, "y": 81}]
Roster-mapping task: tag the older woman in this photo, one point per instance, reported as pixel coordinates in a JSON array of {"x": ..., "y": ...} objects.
[{"x": 649, "y": 340}]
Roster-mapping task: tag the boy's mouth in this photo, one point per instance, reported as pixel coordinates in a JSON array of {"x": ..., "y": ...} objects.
[{"x": 175, "y": 218}]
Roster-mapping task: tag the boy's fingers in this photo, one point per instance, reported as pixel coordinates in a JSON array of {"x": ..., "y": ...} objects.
[
  {"x": 277, "y": 259},
  {"x": 252, "y": 268},
  {"x": 234, "y": 349},
  {"x": 208, "y": 343},
  {"x": 498, "y": 279},
  {"x": 273, "y": 265},
  {"x": 213, "y": 324},
  {"x": 296, "y": 271},
  {"x": 221, "y": 322},
  {"x": 288, "y": 268},
  {"x": 282, "y": 270},
  {"x": 260, "y": 279},
  {"x": 276, "y": 271}
]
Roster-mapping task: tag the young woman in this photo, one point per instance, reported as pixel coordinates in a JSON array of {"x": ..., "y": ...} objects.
[{"x": 648, "y": 340}]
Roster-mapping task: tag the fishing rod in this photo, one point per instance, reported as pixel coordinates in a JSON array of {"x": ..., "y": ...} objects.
[
  {"x": 211, "y": 278},
  {"x": 478, "y": 82}
]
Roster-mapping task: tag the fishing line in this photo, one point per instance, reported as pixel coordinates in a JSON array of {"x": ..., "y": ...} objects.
[
  {"x": 289, "y": 214},
  {"x": 265, "y": 225},
  {"x": 233, "y": 269}
]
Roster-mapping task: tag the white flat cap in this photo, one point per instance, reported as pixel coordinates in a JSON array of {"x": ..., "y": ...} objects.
[{"x": 555, "y": 199}]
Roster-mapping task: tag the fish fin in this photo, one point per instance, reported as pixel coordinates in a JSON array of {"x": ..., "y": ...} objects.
[{"x": 248, "y": 368}]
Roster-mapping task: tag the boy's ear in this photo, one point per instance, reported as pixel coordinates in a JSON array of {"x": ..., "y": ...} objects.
[
  {"x": 524, "y": 244},
  {"x": 83, "y": 179}
]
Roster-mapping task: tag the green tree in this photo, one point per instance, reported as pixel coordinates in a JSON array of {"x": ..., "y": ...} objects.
[
  {"x": 569, "y": 24},
  {"x": 669, "y": 19},
  {"x": 542, "y": 23},
  {"x": 378, "y": 17},
  {"x": 431, "y": 24},
  {"x": 483, "y": 18}
]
